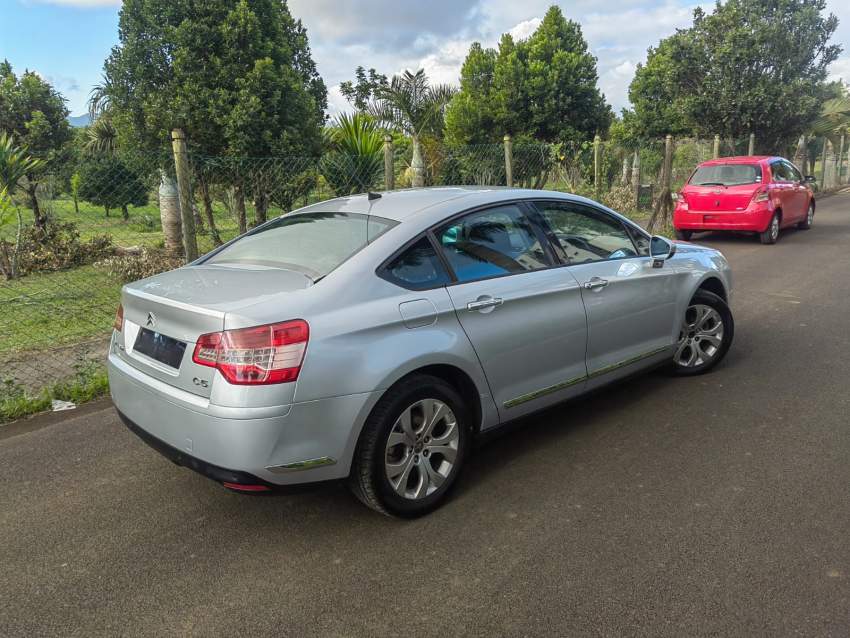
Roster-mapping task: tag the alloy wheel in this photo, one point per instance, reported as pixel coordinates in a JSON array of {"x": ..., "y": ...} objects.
[
  {"x": 700, "y": 338},
  {"x": 422, "y": 449},
  {"x": 810, "y": 216},
  {"x": 774, "y": 228}
]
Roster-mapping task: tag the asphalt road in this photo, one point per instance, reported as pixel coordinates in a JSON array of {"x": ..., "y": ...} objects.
[{"x": 718, "y": 505}]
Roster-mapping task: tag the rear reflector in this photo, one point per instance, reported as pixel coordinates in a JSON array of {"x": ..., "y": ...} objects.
[
  {"x": 260, "y": 355},
  {"x": 119, "y": 318},
  {"x": 246, "y": 488}
]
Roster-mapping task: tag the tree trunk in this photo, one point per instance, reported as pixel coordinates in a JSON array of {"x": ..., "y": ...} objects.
[
  {"x": 169, "y": 214},
  {"x": 261, "y": 207},
  {"x": 208, "y": 211},
  {"x": 106, "y": 208},
  {"x": 76, "y": 206},
  {"x": 417, "y": 164},
  {"x": 36, "y": 209},
  {"x": 239, "y": 194},
  {"x": 125, "y": 213}
]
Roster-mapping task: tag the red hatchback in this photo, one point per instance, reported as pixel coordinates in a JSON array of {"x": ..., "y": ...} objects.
[{"x": 755, "y": 194}]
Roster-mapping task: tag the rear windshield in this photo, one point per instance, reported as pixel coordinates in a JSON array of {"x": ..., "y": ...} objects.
[
  {"x": 726, "y": 175},
  {"x": 310, "y": 243}
]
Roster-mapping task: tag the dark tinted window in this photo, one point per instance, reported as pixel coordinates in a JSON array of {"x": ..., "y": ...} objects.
[
  {"x": 780, "y": 172},
  {"x": 493, "y": 242},
  {"x": 792, "y": 172},
  {"x": 641, "y": 241},
  {"x": 311, "y": 243},
  {"x": 585, "y": 234},
  {"x": 417, "y": 268},
  {"x": 726, "y": 175}
]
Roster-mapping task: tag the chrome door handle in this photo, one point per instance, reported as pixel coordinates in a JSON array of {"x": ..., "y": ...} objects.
[
  {"x": 480, "y": 304},
  {"x": 595, "y": 283}
]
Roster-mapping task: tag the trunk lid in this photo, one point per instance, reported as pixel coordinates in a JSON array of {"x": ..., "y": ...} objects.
[
  {"x": 719, "y": 199},
  {"x": 180, "y": 305}
]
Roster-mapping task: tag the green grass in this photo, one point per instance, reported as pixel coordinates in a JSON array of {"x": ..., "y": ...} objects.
[
  {"x": 46, "y": 310},
  {"x": 89, "y": 382}
]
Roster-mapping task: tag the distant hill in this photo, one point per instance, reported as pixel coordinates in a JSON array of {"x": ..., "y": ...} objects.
[{"x": 79, "y": 121}]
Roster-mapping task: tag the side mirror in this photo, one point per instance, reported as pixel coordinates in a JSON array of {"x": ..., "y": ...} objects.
[
  {"x": 810, "y": 179},
  {"x": 660, "y": 249}
]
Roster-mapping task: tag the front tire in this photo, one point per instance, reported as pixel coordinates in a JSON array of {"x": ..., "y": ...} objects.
[
  {"x": 412, "y": 448},
  {"x": 705, "y": 336},
  {"x": 771, "y": 233},
  {"x": 810, "y": 217}
]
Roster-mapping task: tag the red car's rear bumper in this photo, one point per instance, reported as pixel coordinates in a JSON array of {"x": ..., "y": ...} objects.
[{"x": 755, "y": 219}]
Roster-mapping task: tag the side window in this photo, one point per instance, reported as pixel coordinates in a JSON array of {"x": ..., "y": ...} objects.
[
  {"x": 792, "y": 172},
  {"x": 417, "y": 268},
  {"x": 492, "y": 242},
  {"x": 587, "y": 235},
  {"x": 641, "y": 241},
  {"x": 780, "y": 173}
]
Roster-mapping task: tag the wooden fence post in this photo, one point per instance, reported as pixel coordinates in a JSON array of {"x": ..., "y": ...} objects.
[
  {"x": 626, "y": 177},
  {"x": 664, "y": 205},
  {"x": 389, "y": 163},
  {"x": 800, "y": 155},
  {"x": 184, "y": 187},
  {"x": 636, "y": 176},
  {"x": 716, "y": 147},
  {"x": 751, "y": 149},
  {"x": 823, "y": 164},
  {"x": 597, "y": 166},
  {"x": 509, "y": 162},
  {"x": 840, "y": 166}
]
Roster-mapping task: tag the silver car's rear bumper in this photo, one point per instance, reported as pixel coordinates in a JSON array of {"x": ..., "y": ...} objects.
[{"x": 285, "y": 445}]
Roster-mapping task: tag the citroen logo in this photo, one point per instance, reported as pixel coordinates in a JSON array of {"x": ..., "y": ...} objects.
[{"x": 151, "y": 322}]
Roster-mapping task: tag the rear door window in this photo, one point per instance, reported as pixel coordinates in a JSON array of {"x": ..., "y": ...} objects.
[
  {"x": 311, "y": 243},
  {"x": 726, "y": 175},
  {"x": 780, "y": 172},
  {"x": 493, "y": 242}
]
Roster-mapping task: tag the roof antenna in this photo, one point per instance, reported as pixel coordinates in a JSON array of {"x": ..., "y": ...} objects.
[{"x": 373, "y": 196}]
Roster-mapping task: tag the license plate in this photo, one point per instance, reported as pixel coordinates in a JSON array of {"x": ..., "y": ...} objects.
[{"x": 160, "y": 347}]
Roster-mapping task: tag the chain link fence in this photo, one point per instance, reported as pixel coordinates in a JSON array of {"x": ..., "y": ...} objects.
[{"x": 92, "y": 222}]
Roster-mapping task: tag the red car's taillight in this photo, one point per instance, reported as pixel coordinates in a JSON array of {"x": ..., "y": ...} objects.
[
  {"x": 682, "y": 202},
  {"x": 256, "y": 356},
  {"x": 118, "y": 323},
  {"x": 761, "y": 195}
]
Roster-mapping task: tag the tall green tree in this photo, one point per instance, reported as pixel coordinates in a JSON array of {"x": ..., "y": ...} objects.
[
  {"x": 544, "y": 87},
  {"x": 237, "y": 77},
  {"x": 412, "y": 106},
  {"x": 361, "y": 91},
  {"x": 35, "y": 114},
  {"x": 750, "y": 66}
]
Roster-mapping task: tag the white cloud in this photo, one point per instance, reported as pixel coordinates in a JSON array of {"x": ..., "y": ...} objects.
[{"x": 525, "y": 28}]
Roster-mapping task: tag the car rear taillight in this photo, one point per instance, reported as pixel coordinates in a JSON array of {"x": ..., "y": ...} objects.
[
  {"x": 761, "y": 195},
  {"x": 118, "y": 323},
  {"x": 260, "y": 355},
  {"x": 682, "y": 202}
]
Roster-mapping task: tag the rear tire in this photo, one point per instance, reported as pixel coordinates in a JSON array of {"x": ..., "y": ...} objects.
[
  {"x": 771, "y": 233},
  {"x": 810, "y": 217},
  {"x": 706, "y": 335},
  {"x": 684, "y": 235},
  {"x": 412, "y": 473}
]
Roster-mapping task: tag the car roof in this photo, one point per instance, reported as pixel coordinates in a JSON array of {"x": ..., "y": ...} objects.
[
  {"x": 400, "y": 205},
  {"x": 739, "y": 159}
]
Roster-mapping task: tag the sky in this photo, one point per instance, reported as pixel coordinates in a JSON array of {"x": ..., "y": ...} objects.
[{"x": 66, "y": 41}]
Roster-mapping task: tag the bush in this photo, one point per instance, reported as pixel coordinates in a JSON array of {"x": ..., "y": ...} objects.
[
  {"x": 621, "y": 199},
  {"x": 145, "y": 263}
]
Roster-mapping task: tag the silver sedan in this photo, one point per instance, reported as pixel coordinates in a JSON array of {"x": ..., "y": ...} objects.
[{"x": 370, "y": 338}]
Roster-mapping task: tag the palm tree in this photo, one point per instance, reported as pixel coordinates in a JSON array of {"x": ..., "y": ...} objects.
[
  {"x": 355, "y": 154},
  {"x": 834, "y": 118},
  {"x": 415, "y": 108},
  {"x": 15, "y": 165},
  {"x": 102, "y": 138}
]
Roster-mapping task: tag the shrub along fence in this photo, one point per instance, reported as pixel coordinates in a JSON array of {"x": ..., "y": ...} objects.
[{"x": 77, "y": 232}]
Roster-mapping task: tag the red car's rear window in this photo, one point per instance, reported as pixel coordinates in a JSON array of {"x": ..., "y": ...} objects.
[{"x": 726, "y": 175}]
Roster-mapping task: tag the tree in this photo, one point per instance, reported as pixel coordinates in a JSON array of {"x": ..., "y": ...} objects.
[
  {"x": 414, "y": 107},
  {"x": 107, "y": 181},
  {"x": 15, "y": 165},
  {"x": 544, "y": 87},
  {"x": 363, "y": 90},
  {"x": 738, "y": 71},
  {"x": 354, "y": 158},
  {"x": 238, "y": 78},
  {"x": 34, "y": 112}
]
